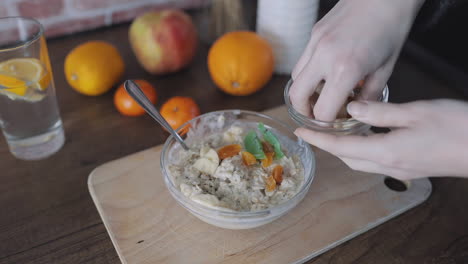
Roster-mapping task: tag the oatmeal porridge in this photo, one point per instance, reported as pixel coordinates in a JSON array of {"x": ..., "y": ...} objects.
[{"x": 240, "y": 169}]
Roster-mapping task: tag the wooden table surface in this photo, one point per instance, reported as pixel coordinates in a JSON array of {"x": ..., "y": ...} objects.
[{"x": 47, "y": 215}]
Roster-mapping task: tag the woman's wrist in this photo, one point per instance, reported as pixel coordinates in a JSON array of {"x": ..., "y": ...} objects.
[{"x": 405, "y": 12}]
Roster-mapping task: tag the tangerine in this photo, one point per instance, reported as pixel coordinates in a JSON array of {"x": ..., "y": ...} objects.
[
  {"x": 125, "y": 103},
  {"x": 178, "y": 110}
]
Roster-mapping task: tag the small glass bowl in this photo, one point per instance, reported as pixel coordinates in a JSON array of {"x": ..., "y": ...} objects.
[
  {"x": 338, "y": 127},
  {"x": 225, "y": 218}
]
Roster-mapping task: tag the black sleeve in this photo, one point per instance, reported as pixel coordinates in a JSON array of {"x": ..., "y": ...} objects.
[
  {"x": 435, "y": 11},
  {"x": 431, "y": 13}
]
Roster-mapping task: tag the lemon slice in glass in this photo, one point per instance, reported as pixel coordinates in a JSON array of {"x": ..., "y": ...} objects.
[
  {"x": 17, "y": 76},
  {"x": 13, "y": 85}
]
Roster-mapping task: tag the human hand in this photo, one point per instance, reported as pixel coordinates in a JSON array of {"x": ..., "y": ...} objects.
[
  {"x": 356, "y": 40},
  {"x": 428, "y": 138}
]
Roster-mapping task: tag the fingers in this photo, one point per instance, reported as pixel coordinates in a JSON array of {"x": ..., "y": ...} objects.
[
  {"x": 368, "y": 154},
  {"x": 307, "y": 53},
  {"x": 381, "y": 114},
  {"x": 303, "y": 87},
  {"x": 375, "y": 82},
  {"x": 303, "y": 60},
  {"x": 334, "y": 94},
  {"x": 374, "y": 85},
  {"x": 352, "y": 146},
  {"x": 306, "y": 76}
]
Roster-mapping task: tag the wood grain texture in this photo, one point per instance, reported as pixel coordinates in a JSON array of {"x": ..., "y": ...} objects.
[
  {"x": 47, "y": 215},
  {"x": 147, "y": 225}
]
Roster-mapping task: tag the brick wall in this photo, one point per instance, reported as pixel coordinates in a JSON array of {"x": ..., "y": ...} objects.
[{"x": 61, "y": 17}]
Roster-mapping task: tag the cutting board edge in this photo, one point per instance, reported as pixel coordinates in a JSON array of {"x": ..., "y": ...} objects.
[
  {"x": 423, "y": 181},
  {"x": 104, "y": 218}
]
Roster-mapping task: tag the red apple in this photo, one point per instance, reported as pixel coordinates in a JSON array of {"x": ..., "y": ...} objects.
[{"x": 163, "y": 41}]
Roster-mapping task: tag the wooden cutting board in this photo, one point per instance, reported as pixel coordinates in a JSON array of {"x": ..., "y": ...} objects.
[{"x": 147, "y": 225}]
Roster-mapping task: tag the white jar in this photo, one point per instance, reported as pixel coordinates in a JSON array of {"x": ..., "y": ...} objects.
[{"x": 286, "y": 25}]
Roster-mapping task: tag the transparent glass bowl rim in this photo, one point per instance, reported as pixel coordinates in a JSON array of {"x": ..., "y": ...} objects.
[
  {"x": 309, "y": 121},
  {"x": 30, "y": 40},
  {"x": 305, "y": 186}
]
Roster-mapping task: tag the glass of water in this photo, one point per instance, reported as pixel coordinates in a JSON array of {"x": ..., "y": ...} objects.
[{"x": 29, "y": 114}]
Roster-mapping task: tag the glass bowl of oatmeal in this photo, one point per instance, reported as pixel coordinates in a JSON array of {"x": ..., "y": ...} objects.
[
  {"x": 343, "y": 125},
  {"x": 243, "y": 170}
]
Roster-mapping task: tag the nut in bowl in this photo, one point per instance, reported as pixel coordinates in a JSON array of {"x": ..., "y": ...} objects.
[
  {"x": 243, "y": 170},
  {"x": 343, "y": 125}
]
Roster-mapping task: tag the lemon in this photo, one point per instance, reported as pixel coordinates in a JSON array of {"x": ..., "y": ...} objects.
[
  {"x": 94, "y": 67},
  {"x": 16, "y": 75},
  {"x": 13, "y": 85}
]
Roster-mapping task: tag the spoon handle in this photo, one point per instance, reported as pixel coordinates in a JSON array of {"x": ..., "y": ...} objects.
[{"x": 137, "y": 94}]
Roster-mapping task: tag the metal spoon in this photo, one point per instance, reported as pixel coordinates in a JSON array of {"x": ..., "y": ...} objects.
[{"x": 136, "y": 93}]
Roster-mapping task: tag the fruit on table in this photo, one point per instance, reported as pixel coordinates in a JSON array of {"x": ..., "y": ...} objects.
[
  {"x": 178, "y": 110},
  {"x": 94, "y": 67},
  {"x": 125, "y": 103},
  {"x": 240, "y": 62},
  {"x": 19, "y": 75},
  {"x": 163, "y": 41}
]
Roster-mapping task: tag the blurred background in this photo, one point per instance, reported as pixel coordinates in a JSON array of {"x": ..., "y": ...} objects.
[
  {"x": 62, "y": 17},
  {"x": 437, "y": 40}
]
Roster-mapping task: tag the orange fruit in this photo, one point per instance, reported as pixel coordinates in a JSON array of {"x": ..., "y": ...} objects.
[
  {"x": 240, "y": 62},
  {"x": 94, "y": 67},
  {"x": 178, "y": 110},
  {"x": 125, "y": 103}
]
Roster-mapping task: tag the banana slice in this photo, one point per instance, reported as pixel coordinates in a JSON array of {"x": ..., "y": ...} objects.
[
  {"x": 205, "y": 199},
  {"x": 188, "y": 190},
  {"x": 233, "y": 134},
  {"x": 208, "y": 161},
  {"x": 210, "y": 154},
  {"x": 206, "y": 166}
]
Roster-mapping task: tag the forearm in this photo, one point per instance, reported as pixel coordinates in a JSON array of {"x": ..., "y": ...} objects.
[
  {"x": 402, "y": 14},
  {"x": 408, "y": 9}
]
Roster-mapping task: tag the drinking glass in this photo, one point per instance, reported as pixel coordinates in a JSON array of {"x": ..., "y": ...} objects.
[{"x": 29, "y": 114}]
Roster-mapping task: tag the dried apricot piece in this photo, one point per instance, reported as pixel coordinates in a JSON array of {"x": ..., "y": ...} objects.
[
  {"x": 277, "y": 174},
  {"x": 267, "y": 147},
  {"x": 270, "y": 184},
  {"x": 268, "y": 160},
  {"x": 248, "y": 158},
  {"x": 229, "y": 151}
]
